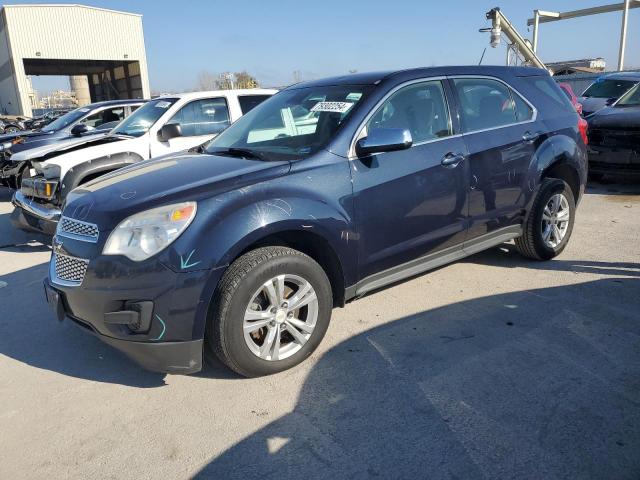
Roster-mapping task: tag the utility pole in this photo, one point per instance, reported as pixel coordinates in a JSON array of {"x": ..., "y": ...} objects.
[{"x": 623, "y": 35}]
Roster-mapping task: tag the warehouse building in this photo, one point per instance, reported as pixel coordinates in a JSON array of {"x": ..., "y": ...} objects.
[{"x": 103, "y": 50}]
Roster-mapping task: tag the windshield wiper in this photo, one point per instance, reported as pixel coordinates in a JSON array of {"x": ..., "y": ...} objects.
[{"x": 239, "y": 152}]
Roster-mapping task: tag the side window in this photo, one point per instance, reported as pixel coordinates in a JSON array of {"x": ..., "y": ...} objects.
[
  {"x": 485, "y": 103},
  {"x": 203, "y": 117},
  {"x": 249, "y": 102},
  {"x": 421, "y": 108},
  {"x": 523, "y": 111},
  {"x": 110, "y": 115}
]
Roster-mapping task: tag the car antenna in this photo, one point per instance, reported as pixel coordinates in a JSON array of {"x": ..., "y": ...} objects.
[{"x": 482, "y": 56}]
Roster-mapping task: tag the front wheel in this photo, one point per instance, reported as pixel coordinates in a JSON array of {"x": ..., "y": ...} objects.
[
  {"x": 270, "y": 312},
  {"x": 11, "y": 130},
  {"x": 548, "y": 227}
]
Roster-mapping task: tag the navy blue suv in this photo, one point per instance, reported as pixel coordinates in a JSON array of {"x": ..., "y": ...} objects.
[{"x": 328, "y": 190}]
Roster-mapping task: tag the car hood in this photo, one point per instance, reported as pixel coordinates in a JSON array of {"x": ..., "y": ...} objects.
[
  {"x": 26, "y": 134},
  {"x": 38, "y": 148},
  {"x": 592, "y": 104},
  {"x": 164, "y": 180},
  {"x": 627, "y": 118},
  {"x": 61, "y": 146}
]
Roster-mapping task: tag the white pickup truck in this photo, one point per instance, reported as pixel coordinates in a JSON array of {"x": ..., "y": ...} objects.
[{"x": 167, "y": 124}]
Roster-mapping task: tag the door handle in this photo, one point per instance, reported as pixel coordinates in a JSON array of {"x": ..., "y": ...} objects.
[
  {"x": 530, "y": 137},
  {"x": 451, "y": 160}
]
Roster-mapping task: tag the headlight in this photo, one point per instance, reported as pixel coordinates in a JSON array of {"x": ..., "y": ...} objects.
[
  {"x": 51, "y": 171},
  {"x": 144, "y": 234}
]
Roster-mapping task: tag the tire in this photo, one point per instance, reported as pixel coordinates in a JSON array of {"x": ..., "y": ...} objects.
[
  {"x": 532, "y": 243},
  {"x": 241, "y": 294},
  {"x": 596, "y": 176},
  {"x": 11, "y": 130}
]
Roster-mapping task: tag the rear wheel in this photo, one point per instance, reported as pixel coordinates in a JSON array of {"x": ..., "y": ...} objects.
[
  {"x": 550, "y": 222},
  {"x": 271, "y": 310},
  {"x": 11, "y": 130}
]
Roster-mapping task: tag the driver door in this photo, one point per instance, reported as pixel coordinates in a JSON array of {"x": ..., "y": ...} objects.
[{"x": 407, "y": 203}]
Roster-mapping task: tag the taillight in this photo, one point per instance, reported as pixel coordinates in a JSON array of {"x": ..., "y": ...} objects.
[{"x": 583, "y": 126}]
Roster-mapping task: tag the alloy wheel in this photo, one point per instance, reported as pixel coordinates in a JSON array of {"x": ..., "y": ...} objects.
[
  {"x": 555, "y": 220},
  {"x": 280, "y": 317}
]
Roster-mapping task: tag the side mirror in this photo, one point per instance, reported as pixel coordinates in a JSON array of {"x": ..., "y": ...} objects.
[
  {"x": 381, "y": 140},
  {"x": 169, "y": 131},
  {"x": 79, "y": 129}
]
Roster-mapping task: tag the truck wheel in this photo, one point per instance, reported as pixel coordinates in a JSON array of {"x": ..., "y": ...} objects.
[
  {"x": 271, "y": 310},
  {"x": 549, "y": 225}
]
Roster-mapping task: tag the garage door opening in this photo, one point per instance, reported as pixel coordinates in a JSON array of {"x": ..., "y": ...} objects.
[{"x": 106, "y": 79}]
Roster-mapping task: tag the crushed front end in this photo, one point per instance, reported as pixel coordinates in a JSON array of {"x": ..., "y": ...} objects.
[{"x": 614, "y": 150}]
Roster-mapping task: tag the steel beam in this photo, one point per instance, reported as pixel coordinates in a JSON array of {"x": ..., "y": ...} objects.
[{"x": 557, "y": 16}]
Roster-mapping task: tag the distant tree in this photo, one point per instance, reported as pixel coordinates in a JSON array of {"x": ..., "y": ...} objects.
[
  {"x": 225, "y": 80},
  {"x": 245, "y": 80},
  {"x": 207, "y": 81}
]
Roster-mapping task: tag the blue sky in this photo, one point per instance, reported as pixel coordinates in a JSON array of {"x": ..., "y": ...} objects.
[{"x": 320, "y": 38}]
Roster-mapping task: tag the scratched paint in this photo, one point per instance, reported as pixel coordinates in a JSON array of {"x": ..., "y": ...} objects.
[
  {"x": 186, "y": 263},
  {"x": 164, "y": 329}
]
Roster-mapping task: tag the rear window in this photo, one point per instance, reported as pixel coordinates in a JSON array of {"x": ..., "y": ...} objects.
[{"x": 550, "y": 90}]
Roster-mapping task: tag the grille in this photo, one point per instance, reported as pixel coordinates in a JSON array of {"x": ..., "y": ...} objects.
[
  {"x": 70, "y": 269},
  {"x": 80, "y": 230},
  {"x": 626, "y": 139}
]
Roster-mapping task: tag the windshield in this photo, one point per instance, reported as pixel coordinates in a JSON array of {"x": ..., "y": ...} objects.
[
  {"x": 139, "y": 122},
  {"x": 292, "y": 124},
  {"x": 611, "y": 88},
  {"x": 632, "y": 98},
  {"x": 66, "y": 119}
]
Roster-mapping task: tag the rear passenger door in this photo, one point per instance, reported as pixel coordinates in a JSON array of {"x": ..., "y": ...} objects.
[
  {"x": 408, "y": 204},
  {"x": 501, "y": 133},
  {"x": 200, "y": 121}
]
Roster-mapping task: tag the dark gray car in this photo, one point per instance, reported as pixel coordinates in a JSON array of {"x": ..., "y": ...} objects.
[
  {"x": 90, "y": 119},
  {"x": 606, "y": 90}
]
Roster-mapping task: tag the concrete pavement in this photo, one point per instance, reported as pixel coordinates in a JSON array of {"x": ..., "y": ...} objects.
[{"x": 493, "y": 367}]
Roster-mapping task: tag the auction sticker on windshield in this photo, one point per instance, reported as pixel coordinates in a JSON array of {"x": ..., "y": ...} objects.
[
  {"x": 334, "y": 107},
  {"x": 163, "y": 104}
]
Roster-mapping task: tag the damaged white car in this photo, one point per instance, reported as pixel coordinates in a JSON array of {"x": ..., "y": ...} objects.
[{"x": 167, "y": 124}]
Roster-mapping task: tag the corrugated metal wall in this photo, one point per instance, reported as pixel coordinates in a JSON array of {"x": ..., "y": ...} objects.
[{"x": 73, "y": 32}]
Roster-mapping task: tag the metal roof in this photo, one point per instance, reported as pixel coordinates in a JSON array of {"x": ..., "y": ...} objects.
[{"x": 66, "y": 5}]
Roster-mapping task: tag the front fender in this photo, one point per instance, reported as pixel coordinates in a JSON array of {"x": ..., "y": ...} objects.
[
  {"x": 108, "y": 163},
  {"x": 230, "y": 227}
]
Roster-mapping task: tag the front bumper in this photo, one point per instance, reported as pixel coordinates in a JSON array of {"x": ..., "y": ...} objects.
[
  {"x": 152, "y": 310},
  {"x": 181, "y": 357},
  {"x": 617, "y": 161},
  {"x": 34, "y": 216}
]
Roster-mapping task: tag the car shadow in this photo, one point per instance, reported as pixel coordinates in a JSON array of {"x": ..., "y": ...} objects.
[
  {"x": 30, "y": 333},
  {"x": 614, "y": 186},
  {"x": 534, "y": 384},
  {"x": 506, "y": 256}
]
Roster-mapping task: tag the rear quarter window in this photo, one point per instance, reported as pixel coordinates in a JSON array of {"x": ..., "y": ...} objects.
[{"x": 548, "y": 90}]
